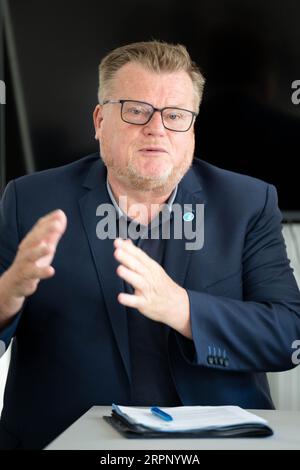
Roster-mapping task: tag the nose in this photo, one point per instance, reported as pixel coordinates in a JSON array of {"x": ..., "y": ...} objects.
[{"x": 155, "y": 125}]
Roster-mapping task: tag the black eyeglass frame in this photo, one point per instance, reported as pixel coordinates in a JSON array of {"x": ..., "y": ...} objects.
[{"x": 160, "y": 110}]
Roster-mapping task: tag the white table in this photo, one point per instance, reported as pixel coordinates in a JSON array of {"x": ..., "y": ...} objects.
[{"x": 91, "y": 432}]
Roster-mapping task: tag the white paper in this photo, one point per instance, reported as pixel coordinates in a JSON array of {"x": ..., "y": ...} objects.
[{"x": 190, "y": 418}]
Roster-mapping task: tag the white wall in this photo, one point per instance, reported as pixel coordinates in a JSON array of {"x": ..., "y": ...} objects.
[
  {"x": 4, "y": 362},
  {"x": 285, "y": 386}
]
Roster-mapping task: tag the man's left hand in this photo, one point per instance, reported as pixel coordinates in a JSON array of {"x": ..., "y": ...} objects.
[{"x": 156, "y": 295}]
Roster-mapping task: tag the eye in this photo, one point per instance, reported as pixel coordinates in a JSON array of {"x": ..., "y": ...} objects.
[
  {"x": 135, "y": 110},
  {"x": 174, "y": 116}
]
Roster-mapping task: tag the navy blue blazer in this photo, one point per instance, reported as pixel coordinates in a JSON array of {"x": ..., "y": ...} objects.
[{"x": 71, "y": 350}]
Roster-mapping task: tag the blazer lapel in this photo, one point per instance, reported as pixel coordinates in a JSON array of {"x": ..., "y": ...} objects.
[
  {"x": 179, "y": 251},
  {"x": 102, "y": 254}
]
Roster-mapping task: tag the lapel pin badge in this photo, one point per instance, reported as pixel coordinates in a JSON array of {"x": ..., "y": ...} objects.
[{"x": 188, "y": 216}]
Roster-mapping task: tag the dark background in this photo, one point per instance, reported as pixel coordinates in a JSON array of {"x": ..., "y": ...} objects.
[{"x": 249, "y": 52}]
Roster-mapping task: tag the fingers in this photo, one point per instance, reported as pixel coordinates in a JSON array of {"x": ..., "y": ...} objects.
[
  {"x": 133, "y": 250},
  {"x": 135, "y": 268},
  {"x": 129, "y": 261},
  {"x": 136, "y": 280},
  {"x": 49, "y": 229},
  {"x": 26, "y": 283},
  {"x": 36, "y": 253},
  {"x": 129, "y": 300},
  {"x": 34, "y": 272}
]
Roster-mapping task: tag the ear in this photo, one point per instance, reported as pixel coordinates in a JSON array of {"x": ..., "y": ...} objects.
[{"x": 98, "y": 118}]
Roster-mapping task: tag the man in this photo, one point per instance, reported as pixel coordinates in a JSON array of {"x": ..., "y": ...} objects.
[{"x": 149, "y": 320}]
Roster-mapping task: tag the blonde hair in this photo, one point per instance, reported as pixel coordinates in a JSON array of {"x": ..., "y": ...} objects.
[{"x": 156, "y": 56}]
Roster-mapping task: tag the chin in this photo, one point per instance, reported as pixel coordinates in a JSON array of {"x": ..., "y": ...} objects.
[
  {"x": 155, "y": 175},
  {"x": 151, "y": 182},
  {"x": 154, "y": 171},
  {"x": 155, "y": 178}
]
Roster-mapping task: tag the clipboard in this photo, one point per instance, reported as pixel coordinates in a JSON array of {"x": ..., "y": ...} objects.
[{"x": 138, "y": 431}]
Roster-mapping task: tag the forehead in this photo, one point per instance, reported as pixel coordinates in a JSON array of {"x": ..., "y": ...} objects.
[{"x": 133, "y": 81}]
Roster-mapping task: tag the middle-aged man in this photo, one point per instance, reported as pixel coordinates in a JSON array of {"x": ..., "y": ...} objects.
[{"x": 153, "y": 319}]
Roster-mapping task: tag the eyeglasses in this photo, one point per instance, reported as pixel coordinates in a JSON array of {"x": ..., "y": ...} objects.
[{"x": 140, "y": 113}]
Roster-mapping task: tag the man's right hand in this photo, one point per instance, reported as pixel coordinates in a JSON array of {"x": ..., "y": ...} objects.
[{"x": 31, "y": 264}]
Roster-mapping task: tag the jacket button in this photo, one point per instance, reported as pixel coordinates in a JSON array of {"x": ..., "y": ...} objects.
[{"x": 210, "y": 360}]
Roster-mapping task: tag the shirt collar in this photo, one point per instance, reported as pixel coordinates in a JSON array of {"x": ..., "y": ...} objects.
[{"x": 121, "y": 213}]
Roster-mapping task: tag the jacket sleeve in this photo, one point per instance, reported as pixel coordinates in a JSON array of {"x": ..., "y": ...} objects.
[
  {"x": 9, "y": 242},
  {"x": 258, "y": 333}
]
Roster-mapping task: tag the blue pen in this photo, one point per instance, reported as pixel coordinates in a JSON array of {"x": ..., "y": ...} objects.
[{"x": 160, "y": 414}]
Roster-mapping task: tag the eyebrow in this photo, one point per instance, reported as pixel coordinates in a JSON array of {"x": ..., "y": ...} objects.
[{"x": 182, "y": 106}]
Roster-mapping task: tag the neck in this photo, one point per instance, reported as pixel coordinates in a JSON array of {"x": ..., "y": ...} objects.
[{"x": 142, "y": 206}]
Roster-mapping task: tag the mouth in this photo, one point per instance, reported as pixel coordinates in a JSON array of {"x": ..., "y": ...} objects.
[{"x": 153, "y": 150}]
